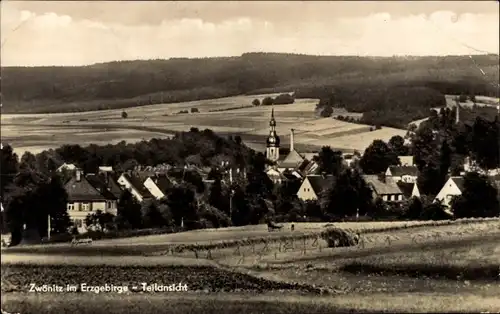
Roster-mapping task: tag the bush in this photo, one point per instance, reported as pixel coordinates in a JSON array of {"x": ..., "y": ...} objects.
[
  {"x": 124, "y": 115},
  {"x": 284, "y": 99}
]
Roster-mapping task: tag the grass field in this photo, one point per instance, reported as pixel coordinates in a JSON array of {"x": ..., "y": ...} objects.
[
  {"x": 445, "y": 266},
  {"x": 36, "y": 132}
]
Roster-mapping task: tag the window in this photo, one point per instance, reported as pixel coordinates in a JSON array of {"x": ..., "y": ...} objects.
[
  {"x": 71, "y": 206},
  {"x": 109, "y": 204},
  {"x": 85, "y": 206}
]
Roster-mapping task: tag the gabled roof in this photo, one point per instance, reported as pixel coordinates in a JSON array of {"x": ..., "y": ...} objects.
[
  {"x": 459, "y": 182},
  {"x": 100, "y": 185},
  {"x": 380, "y": 187},
  {"x": 406, "y": 188},
  {"x": 292, "y": 160},
  {"x": 137, "y": 183},
  {"x": 400, "y": 171},
  {"x": 162, "y": 182},
  {"x": 320, "y": 183},
  {"x": 83, "y": 190}
]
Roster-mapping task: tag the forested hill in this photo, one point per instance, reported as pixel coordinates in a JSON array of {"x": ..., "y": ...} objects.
[{"x": 131, "y": 83}]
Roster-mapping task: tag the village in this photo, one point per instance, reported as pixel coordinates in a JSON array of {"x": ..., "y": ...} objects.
[{"x": 90, "y": 192}]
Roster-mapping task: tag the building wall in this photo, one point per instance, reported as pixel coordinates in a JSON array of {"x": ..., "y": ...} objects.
[
  {"x": 153, "y": 188},
  {"x": 124, "y": 182},
  {"x": 306, "y": 191},
  {"x": 78, "y": 211},
  {"x": 449, "y": 190}
]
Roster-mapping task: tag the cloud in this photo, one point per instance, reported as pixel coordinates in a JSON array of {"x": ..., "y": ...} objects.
[{"x": 50, "y": 38}]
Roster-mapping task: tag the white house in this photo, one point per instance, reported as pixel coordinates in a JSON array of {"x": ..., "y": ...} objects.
[
  {"x": 312, "y": 187},
  {"x": 453, "y": 187},
  {"x": 135, "y": 185},
  {"x": 406, "y": 174},
  {"x": 65, "y": 166},
  {"x": 86, "y": 195}
]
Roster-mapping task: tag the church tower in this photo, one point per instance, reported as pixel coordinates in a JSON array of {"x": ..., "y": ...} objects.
[{"x": 273, "y": 140}]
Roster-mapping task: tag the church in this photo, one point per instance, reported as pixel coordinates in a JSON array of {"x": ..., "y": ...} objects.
[{"x": 298, "y": 164}]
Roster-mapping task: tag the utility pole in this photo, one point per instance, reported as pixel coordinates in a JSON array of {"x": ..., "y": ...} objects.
[{"x": 48, "y": 225}]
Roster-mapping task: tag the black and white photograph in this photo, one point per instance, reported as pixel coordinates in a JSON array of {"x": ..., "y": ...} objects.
[{"x": 252, "y": 157}]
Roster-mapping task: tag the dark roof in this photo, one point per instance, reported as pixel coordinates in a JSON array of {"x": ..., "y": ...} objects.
[
  {"x": 289, "y": 175},
  {"x": 320, "y": 183},
  {"x": 83, "y": 190},
  {"x": 406, "y": 188},
  {"x": 137, "y": 183},
  {"x": 459, "y": 181},
  {"x": 100, "y": 185},
  {"x": 399, "y": 171},
  {"x": 387, "y": 187},
  {"x": 162, "y": 182}
]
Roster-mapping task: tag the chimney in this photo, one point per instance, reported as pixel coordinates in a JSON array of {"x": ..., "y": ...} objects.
[
  {"x": 78, "y": 175},
  {"x": 291, "y": 140}
]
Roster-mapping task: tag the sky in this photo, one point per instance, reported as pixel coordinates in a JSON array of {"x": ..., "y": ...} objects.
[{"x": 44, "y": 33}]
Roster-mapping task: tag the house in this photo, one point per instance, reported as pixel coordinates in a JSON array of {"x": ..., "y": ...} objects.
[
  {"x": 350, "y": 159},
  {"x": 276, "y": 176},
  {"x": 406, "y": 160},
  {"x": 407, "y": 174},
  {"x": 86, "y": 195},
  {"x": 158, "y": 185},
  {"x": 409, "y": 190},
  {"x": 388, "y": 190},
  {"x": 313, "y": 185},
  {"x": 133, "y": 182},
  {"x": 66, "y": 167},
  {"x": 453, "y": 187}
]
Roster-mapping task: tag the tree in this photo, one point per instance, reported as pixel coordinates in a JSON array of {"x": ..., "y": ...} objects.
[
  {"x": 256, "y": 102},
  {"x": 268, "y": 101},
  {"x": 397, "y": 145},
  {"x": 28, "y": 161},
  {"x": 99, "y": 220},
  {"x": 479, "y": 198},
  {"x": 194, "y": 110},
  {"x": 434, "y": 211},
  {"x": 348, "y": 195},
  {"x": 218, "y": 198},
  {"x": 462, "y": 98},
  {"x": 153, "y": 216},
  {"x": 414, "y": 209},
  {"x": 9, "y": 166},
  {"x": 327, "y": 112},
  {"x": 124, "y": 115},
  {"x": 377, "y": 158},
  {"x": 182, "y": 202},
  {"x": 429, "y": 180},
  {"x": 55, "y": 199},
  {"x": 329, "y": 161},
  {"x": 284, "y": 99},
  {"x": 128, "y": 212}
]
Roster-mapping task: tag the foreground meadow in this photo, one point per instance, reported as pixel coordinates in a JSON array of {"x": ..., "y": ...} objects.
[
  {"x": 446, "y": 267},
  {"x": 225, "y": 116}
]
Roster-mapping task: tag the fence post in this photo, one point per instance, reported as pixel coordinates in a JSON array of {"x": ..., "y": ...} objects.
[
  {"x": 304, "y": 246},
  {"x": 209, "y": 254}
]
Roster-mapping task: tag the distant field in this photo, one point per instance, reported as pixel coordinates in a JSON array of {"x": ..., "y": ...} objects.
[{"x": 36, "y": 132}]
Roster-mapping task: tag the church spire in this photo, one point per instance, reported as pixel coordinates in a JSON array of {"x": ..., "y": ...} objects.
[{"x": 273, "y": 140}]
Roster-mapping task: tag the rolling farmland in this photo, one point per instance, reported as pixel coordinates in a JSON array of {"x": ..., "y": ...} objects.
[{"x": 226, "y": 116}]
